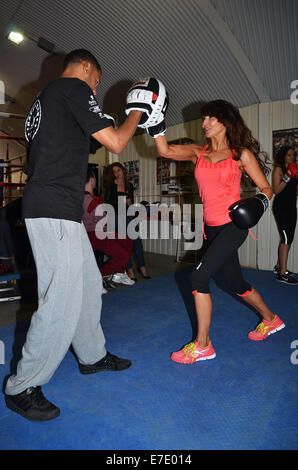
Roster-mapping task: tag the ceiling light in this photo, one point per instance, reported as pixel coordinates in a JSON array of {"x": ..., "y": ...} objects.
[{"x": 16, "y": 37}]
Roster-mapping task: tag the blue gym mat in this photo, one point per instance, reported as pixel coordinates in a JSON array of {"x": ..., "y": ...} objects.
[{"x": 246, "y": 398}]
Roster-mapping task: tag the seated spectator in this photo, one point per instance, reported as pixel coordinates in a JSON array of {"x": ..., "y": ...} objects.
[
  {"x": 117, "y": 185},
  {"x": 118, "y": 250}
]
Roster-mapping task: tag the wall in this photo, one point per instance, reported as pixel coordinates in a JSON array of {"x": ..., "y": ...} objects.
[
  {"x": 142, "y": 148},
  {"x": 273, "y": 116},
  {"x": 262, "y": 119}
]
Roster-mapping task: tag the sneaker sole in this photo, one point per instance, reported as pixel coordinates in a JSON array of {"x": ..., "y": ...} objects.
[
  {"x": 276, "y": 330},
  {"x": 288, "y": 283},
  {"x": 24, "y": 414},
  {"x": 197, "y": 360},
  {"x": 205, "y": 358},
  {"x": 270, "y": 333},
  {"x": 94, "y": 371},
  {"x": 124, "y": 283}
]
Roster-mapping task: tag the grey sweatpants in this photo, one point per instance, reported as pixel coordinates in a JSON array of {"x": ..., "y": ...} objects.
[{"x": 69, "y": 303}]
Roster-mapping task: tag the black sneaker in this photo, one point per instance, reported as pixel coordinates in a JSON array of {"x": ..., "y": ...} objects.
[
  {"x": 276, "y": 270},
  {"x": 32, "y": 404},
  {"x": 107, "y": 363},
  {"x": 107, "y": 282},
  {"x": 287, "y": 278}
]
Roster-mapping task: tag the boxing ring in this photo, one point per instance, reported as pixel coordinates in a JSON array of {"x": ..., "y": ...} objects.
[
  {"x": 9, "y": 170},
  {"x": 245, "y": 398}
]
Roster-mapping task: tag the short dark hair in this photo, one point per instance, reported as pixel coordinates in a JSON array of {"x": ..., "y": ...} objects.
[{"x": 80, "y": 55}]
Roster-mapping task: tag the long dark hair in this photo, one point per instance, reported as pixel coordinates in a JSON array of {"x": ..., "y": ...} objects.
[
  {"x": 109, "y": 178},
  {"x": 280, "y": 157},
  {"x": 238, "y": 134}
]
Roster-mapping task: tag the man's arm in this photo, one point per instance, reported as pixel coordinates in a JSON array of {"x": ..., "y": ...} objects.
[{"x": 115, "y": 140}]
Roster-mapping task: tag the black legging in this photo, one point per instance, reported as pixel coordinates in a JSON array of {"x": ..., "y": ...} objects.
[
  {"x": 286, "y": 219},
  {"x": 220, "y": 260}
]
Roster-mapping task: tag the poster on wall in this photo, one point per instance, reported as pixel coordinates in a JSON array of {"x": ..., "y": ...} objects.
[
  {"x": 163, "y": 169},
  {"x": 285, "y": 137},
  {"x": 132, "y": 170}
]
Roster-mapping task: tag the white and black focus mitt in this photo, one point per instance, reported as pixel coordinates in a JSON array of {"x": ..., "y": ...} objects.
[
  {"x": 147, "y": 95},
  {"x": 159, "y": 126}
]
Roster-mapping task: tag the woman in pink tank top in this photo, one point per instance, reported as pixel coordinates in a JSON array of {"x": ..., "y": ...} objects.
[{"x": 230, "y": 153}]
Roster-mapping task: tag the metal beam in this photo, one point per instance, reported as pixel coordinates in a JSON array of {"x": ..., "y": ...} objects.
[{"x": 12, "y": 115}]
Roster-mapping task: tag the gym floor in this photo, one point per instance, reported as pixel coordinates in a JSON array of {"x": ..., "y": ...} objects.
[
  {"x": 244, "y": 399},
  {"x": 11, "y": 312}
]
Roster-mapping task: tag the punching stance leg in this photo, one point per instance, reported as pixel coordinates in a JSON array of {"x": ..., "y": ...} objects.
[
  {"x": 68, "y": 309},
  {"x": 219, "y": 258}
]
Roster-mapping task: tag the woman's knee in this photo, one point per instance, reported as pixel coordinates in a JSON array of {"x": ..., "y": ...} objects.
[{"x": 199, "y": 281}]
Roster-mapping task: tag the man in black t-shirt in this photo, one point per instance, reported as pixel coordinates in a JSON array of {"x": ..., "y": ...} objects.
[{"x": 58, "y": 129}]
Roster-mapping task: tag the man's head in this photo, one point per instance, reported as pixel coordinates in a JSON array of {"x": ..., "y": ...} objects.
[{"x": 81, "y": 64}]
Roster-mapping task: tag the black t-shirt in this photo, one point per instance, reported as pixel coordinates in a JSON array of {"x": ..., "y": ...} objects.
[{"x": 58, "y": 129}]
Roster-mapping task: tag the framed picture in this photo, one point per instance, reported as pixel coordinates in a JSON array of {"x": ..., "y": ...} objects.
[
  {"x": 285, "y": 137},
  {"x": 163, "y": 169},
  {"x": 167, "y": 168},
  {"x": 132, "y": 170}
]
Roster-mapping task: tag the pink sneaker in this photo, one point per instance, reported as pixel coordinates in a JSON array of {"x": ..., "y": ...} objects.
[
  {"x": 266, "y": 328},
  {"x": 192, "y": 352}
]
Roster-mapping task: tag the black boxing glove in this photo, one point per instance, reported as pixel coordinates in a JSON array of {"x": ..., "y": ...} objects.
[{"x": 247, "y": 213}]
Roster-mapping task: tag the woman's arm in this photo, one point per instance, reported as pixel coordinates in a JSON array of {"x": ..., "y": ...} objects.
[
  {"x": 177, "y": 152},
  {"x": 251, "y": 167},
  {"x": 277, "y": 182},
  {"x": 130, "y": 196}
]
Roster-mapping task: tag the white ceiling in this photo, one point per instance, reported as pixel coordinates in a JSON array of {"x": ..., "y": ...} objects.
[{"x": 244, "y": 51}]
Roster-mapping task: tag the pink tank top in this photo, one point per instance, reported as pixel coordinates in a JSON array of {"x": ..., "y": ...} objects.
[{"x": 219, "y": 187}]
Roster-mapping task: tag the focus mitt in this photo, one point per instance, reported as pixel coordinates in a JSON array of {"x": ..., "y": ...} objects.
[
  {"x": 159, "y": 127},
  {"x": 149, "y": 96}
]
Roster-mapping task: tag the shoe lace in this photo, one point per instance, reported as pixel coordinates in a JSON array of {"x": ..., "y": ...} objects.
[
  {"x": 36, "y": 395},
  {"x": 189, "y": 349},
  {"x": 260, "y": 328}
]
